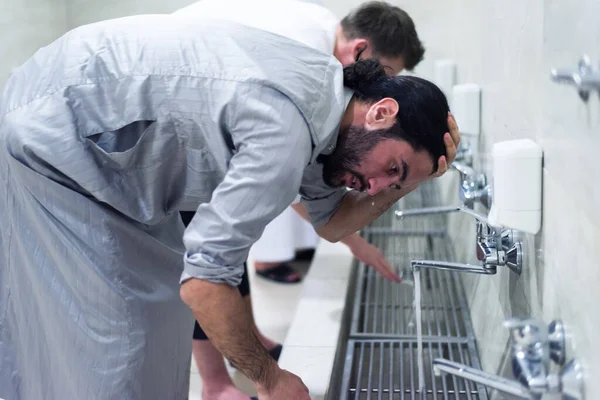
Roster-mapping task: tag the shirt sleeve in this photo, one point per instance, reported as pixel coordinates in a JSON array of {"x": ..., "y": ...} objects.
[
  {"x": 320, "y": 199},
  {"x": 273, "y": 145}
]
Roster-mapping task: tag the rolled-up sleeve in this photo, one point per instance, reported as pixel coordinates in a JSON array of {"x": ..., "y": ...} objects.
[
  {"x": 273, "y": 146},
  {"x": 320, "y": 199}
]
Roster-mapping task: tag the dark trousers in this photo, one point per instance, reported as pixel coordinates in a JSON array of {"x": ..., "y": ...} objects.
[{"x": 244, "y": 286}]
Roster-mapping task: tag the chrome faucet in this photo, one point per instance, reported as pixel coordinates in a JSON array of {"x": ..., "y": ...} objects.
[
  {"x": 473, "y": 186},
  {"x": 496, "y": 247},
  {"x": 464, "y": 153},
  {"x": 532, "y": 348},
  {"x": 441, "y": 365},
  {"x": 456, "y": 267}
]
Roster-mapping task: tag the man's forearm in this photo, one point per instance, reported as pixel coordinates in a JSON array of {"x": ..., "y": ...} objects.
[
  {"x": 301, "y": 210},
  {"x": 357, "y": 210},
  {"x": 351, "y": 240},
  {"x": 223, "y": 315}
]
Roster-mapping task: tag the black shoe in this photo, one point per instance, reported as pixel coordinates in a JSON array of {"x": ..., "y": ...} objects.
[
  {"x": 305, "y": 255},
  {"x": 281, "y": 273}
]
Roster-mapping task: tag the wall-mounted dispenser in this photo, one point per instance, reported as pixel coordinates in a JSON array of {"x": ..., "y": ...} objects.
[
  {"x": 444, "y": 76},
  {"x": 466, "y": 107},
  {"x": 517, "y": 185}
]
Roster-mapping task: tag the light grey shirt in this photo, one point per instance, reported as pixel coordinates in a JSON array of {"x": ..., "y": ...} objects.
[{"x": 152, "y": 115}]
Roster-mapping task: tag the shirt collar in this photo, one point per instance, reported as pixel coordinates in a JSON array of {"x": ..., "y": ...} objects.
[{"x": 331, "y": 144}]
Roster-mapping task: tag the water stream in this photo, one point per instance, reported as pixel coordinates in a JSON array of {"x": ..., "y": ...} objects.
[{"x": 417, "y": 304}]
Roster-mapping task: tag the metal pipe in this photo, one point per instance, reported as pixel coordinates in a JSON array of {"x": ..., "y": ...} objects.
[
  {"x": 455, "y": 267},
  {"x": 440, "y": 210},
  {"x": 474, "y": 375}
]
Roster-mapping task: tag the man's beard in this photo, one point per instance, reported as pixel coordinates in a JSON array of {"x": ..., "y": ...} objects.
[{"x": 352, "y": 146}]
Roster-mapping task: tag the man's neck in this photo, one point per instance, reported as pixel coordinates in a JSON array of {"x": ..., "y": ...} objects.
[
  {"x": 355, "y": 113},
  {"x": 340, "y": 39}
]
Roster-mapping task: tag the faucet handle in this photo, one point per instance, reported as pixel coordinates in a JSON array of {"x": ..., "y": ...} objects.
[
  {"x": 556, "y": 336},
  {"x": 526, "y": 332},
  {"x": 464, "y": 153}
]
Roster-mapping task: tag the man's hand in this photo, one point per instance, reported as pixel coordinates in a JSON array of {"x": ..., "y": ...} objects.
[
  {"x": 287, "y": 386},
  {"x": 370, "y": 255},
  {"x": 451, "y": 140}
]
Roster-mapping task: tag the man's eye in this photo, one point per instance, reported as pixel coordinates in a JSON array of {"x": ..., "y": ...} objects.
[{"x": 394, "y": 170}]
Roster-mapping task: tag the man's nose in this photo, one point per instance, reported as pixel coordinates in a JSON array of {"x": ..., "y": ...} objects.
[{"x": 376, "y": 185}]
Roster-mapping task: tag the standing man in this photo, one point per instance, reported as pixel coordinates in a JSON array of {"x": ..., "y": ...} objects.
[{"x": 113, "y": 129}]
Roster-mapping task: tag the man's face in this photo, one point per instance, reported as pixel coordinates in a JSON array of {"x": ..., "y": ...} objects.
[{"x": 359, "y": 164}]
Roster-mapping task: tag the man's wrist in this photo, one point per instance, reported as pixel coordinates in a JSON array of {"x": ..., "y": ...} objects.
[
  {"x": 269, "y": 377},
  {"x": 351, "y": 240}
]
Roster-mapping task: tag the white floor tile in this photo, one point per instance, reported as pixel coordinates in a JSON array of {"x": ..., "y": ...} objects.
[
  {"x": 195, "y": 387},
  {"x": 274, "y": 306},
  {"x": 319, "y": 313},
  {"x": 332, "y": 266},
  {"x": 334, "y": 261},
  {"x": 326, "y": 247},
  {"x": 313, "y": 364}
]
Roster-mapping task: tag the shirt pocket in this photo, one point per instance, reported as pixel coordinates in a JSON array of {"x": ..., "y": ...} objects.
[{"x": 135, "y": 145}]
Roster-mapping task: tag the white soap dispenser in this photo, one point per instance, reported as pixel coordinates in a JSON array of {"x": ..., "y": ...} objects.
[
  {"x": 517, "y": 185},
  {"x": 444, "y": 76}
]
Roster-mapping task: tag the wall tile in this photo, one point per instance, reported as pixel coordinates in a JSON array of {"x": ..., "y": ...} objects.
[
  {"x": 82, "y": 12},
  {"x": 29, "y": 25}
]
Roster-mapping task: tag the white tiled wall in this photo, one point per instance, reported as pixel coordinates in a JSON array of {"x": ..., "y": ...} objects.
[
  {"x": 25, "y": 26},
  {"x": 82, "y": 12},
  {"x": 508, "y": 47}
]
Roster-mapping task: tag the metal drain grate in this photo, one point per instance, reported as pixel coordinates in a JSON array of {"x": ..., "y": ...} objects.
[
  {"x": 387, "y": 369},
  {"x": 377, "y": 357},
  {"x": 384, "y": 309}
]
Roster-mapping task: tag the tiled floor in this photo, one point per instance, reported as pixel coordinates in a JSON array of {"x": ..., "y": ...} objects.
[
  {"x": 274, "y": 309},
  {"x": 311, "y": 344}
]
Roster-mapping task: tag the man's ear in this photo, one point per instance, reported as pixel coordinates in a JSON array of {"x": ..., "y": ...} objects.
[
  {"x": 359, "y": 46},
  {"x": 382, "y": 114}
]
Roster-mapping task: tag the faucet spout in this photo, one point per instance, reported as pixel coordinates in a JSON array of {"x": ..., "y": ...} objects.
[
  {"x": 456, "y": 267},
  {"x": 426, "y": 211},
  {"x": 440, "y": 210},
  {"x": 441, "y": 365},
  {"x": 464, "y": 169}
]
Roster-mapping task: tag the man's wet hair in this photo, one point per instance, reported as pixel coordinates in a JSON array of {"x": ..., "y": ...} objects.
[{"x": 422, "y": 118}]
